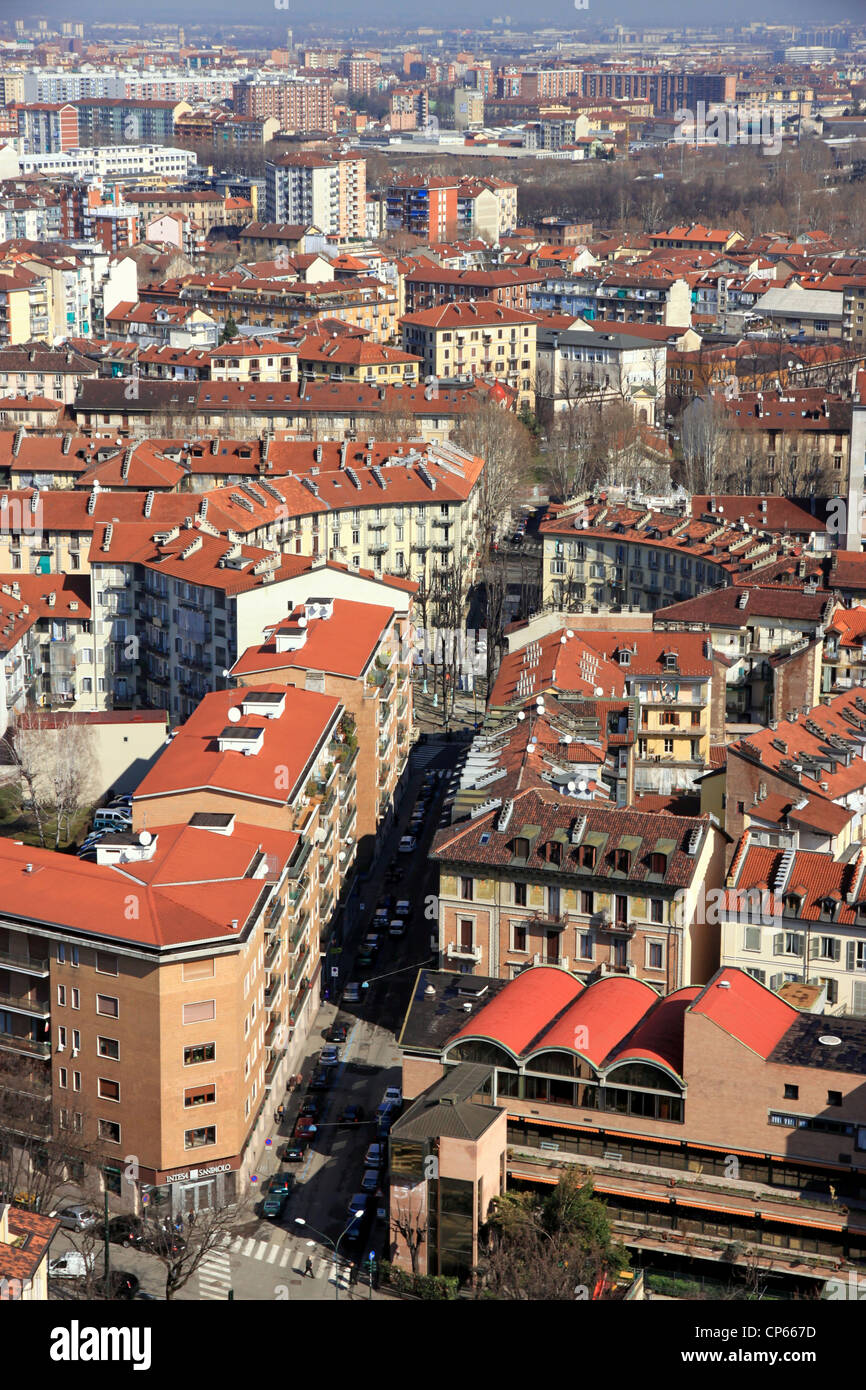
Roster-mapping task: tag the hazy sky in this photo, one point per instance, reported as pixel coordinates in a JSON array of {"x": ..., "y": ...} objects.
[{"x": 345, "y": 14}]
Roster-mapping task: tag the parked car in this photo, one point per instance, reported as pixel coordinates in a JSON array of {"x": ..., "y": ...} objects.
[
  {"x": 352, "y": 993},
  {"x": 321, "y": 1080},
  {"x": 397, "y": 927},
  {"x": 358, "y": 1202},
  {"x": 305, "y": 1128},
  {"x": 353, "y": 1232},
  {"x": 293, "y": 1152},
  {"x": 310, "y": 1107},
  {"x": 121, "y": 1284},
  {"x": 352, "y": 1115},
  {"x": 375, "y": 1156},
  {"x": 384, "y": 1111},
  {"x": 408, "y": 844},
  {"x": 281, "y": 1182},
  {"x": 370, "y": 1180},
  {"x": 338, "y": 1032},
  {"x": 403, "y": 908},
  {"x": 77, "y": 1217},
  {"x": 329, "y": 1057},
  {"x": 71, "y": 1265},
  {"x": 393, "y": 1096}
]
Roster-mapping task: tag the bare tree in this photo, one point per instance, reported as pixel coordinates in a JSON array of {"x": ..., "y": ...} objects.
[
  {"x": 35, "y": 1160},
  {"x": 55, "y": 769},
  {"x": 498, "y": 437},
  {"x": 409, "y": 1222},
  {"x": 705, "y": 443},
  {"x": 181, "y": 1259}
]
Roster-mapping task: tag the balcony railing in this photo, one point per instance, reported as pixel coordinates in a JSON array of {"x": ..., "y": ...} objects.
[
  {"x": 10, "y": 1043},
  {"x": 29, "y": 965},
  {"x": 458, "y": 952},
  {"x": 37, "y": 1008}
]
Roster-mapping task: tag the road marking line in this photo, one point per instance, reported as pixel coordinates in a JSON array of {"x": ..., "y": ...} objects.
[
  {"x": 272, "y": 1254},
  {"x": 248, "y": 1246}
]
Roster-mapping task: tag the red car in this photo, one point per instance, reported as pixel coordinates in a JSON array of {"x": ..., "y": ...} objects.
[{"x": 304, "y": 1128}]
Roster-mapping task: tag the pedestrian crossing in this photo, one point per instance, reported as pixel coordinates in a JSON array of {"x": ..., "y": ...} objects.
[
  {"x": 215, "y": 1269},
  {"x": 423, "y": 754},
  {"x": 215, "y": 1275}
]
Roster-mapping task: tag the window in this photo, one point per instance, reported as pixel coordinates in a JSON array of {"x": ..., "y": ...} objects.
[
  {"x": 203, "y": 1011},
  {"x": 204, "y": 1052},
  {"x": 752, "y": 938},
  {"x": 792, "y": 1092},
  {"x": 518, "y": 933},
  {"x": 61, "y": 994},
  {"x": 108, "y": 1047},
  {"x": 108, "y": 1005},
  {"x": 587, "y": 901},
  {"x": 520, "y": 895},
  {"x": 198, "y": 1138},
  {"x": 623, "y": 861},
  {"x": 466, "y": 889},
  {"x": 658, "y": 863},
  {"x": 198, "y": 969},
  {"x": 76, "y": 1041},
  {"x": 669, "y": 745},
  {"x": 61, "y": 1039},
  {"x": 76, "y": 998},
  {"x": 584, "y": 945},
  {"x": 110, "y": 1130},
  {"x": 62, "y": 1077},
  {"x": 106, "y": 1089},
  {"x": 655, "y": 955},
  {"x": 657, "y": 910},
  {"x": 200, "y": 1095},
  {"x": 834, "y": 1097},
  {"x": 106, "y": 963}
]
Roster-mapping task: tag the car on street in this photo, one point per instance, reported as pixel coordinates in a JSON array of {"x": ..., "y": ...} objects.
[
  {"x": 281, "y": 1182},
  {"x": 408, "y": 844},
  {"x": 403, "y": 908},
  {"x": 393, "y": 1096},
  {"x": 321, "y": 1080},
  {"x": 358, "y": 1202},
  {"x": 353, "y": 1232},
  {"x": 293, "y": 1152},
  {"x": 329, "y": 1057},
  {"x": 272, "y": 1205},
  {"x": 337, "y": 1033},
  {"x": 71, "y": 1265},
  {"x": 375, "y": 1156},
  {"x": 76, "y": 1217},
  {"x": 121, "y": 1284},
  {"x": 136, "y": 1234},
  {"x": 310, "y": 1107},
  {"x": 371, "y": 1179},
  {"x": 352, "y": 992},
  {"x": 351, "y": 1115},
  {"x": 397, "y": 927},
  {"x": 305, "y": 1128},
  {"x": 384, "y": 1112}
]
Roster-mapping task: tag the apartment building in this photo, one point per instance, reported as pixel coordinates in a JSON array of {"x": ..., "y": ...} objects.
[
  {"x": 854, "y": 312},
  {"x": 479, "y": 338},
  {"x": 596, "y": 890},
  {"x": 677, "y": 681},
  {"x": 814, "y": 752},
  {"x": 576, "y": 364},
  {"x": 329, "y": 192},
  {"x": 423, "y": 207},
  {"x": 43, "y": 370},
  {"x": 152, "y": 1000},
  {"x": 47, "y": 645},
  {"x": 798, "y": 916},
  {"x": 431, "y": 285},
  {"x": 689, "y": 1080},
  {"x": 623, "y": 296},
  {"x": 359, "y": 653},
  {"x": 150, "y": 162},
  {"x": 772, "y": 639},
  {"x": 304, "y": 105},
  {"x": 349, "y": 358},
  {"x": 112, "y": 120},
  {"x": 46, "y": 127},
  {"x": 612, "y": 556}
]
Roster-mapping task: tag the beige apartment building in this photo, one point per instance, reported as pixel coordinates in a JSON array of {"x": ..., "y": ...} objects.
[{"x": 476, "y": 337}]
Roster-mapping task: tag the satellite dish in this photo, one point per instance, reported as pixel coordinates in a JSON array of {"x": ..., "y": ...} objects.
[
  {"x": 234, "y": 715},
  {"x": 599, "y": 691},
  {"x": 520, "y": 714},
  {"x": 572, "y": 786},
  {"x": 570, "y": 632},
  {"x": 145, "y": 837},
  {"x": 302, "y": 622},
  {"x": 563, "y": 641},
  {"x": 582, "y": 786},
  {"x": 566, "y": 738}
]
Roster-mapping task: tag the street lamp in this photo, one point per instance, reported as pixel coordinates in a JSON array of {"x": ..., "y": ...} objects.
[{"x": 299, "y": 1221}]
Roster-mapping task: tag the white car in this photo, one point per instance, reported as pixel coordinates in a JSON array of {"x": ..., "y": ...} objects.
[
  {"x": 72, "y": 1265},
  {"x": 408, "y": 844},
  {"x": 403, "y": 908},
  {"x": 393, "y": 1096},
  {"x": 397, "y": 927}
]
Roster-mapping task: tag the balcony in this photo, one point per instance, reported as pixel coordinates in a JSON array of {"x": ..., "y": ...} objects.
[
  {"x": 272, "y": 954},
  {"x": 547, "y": 921},
  {"x": 20, "y": 1004},
  {"x": 28, "y": 965},
  {"x": 273, "y": 992},
  {"x": 9, "y": 1042},
  {"x": 454, "y": 951},
  {"x": 299, "y": 967}
]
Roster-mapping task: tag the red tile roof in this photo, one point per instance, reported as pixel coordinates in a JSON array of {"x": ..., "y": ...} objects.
[
  {"x": 746, "y": 1010},
  {"x": 343, "y": 644}
]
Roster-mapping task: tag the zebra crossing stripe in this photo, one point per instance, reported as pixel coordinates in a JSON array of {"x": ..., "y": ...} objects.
[{"x": 272, "y": 1254}]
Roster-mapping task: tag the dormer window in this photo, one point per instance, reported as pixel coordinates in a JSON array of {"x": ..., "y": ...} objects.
[
  {"x": 622, "y": 861},
  {"x": 670, "y": 661},
  {"x": 521, "y": 848},
  {"x": 587, "y": 856},
  {"x": 658, "y": 863},
  {"x": 792, "y": 903},
  {"x": 625, "y": 658},
  {"x": 554, "y": 852}
]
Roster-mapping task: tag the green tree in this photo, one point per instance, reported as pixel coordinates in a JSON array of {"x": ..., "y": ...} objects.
[{"x": 230, "y": 329}]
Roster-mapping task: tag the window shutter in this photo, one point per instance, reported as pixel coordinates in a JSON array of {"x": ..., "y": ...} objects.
[
  {"x": 814, "y": 948},
  {"x": 837, "y": 948},
  {"x": 775, "y": 982},
  {"x": 778, "y": 944},
  {"x": 799, "y": 941},
  {"x": 858, "y": 1002},
  {"x": 850, "y": 952}
]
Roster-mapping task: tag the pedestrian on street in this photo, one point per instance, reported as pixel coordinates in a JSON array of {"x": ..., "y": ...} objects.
[
  {"x": 308, "y": 1268},
  {"x": 191, "y": 1219}
]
